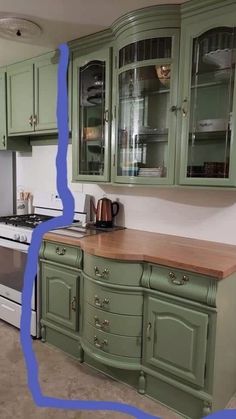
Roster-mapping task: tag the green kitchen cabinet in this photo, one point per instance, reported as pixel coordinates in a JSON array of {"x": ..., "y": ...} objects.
[
  {"x": 145, "y": 96},
  {"x": 60, "y": 296},
  {"x": 8, "y": 143},
  {"x": 91, "y": 116},
  {"x": 175, "y": 340},
  {"x": 208, "y": 95},
  {"x": 32, "y": 95},
  {"x": 60, "y": 293}
]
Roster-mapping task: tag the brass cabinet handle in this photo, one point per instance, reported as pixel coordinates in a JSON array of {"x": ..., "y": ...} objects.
[
  {"x": 60, "y": 252},
  {"x": 176, "y": 281},
  {"x": 3, "y": 140},
  {"x": 99, "y": 274},
  {"x": 149, "y": 330},
  {"x": 35, "y": 120},
  {"x": 31, "y": 120},
  {"x": 99, "y": 344},
  {"x": 184, "y": 108},
  {"x": 106, "y": 115},
  {"x": 100, "y": 325},
  {"x": 100, "y": 303},
  {"x": 73, "y": 304},
  {"x": 175, "y": 108}
]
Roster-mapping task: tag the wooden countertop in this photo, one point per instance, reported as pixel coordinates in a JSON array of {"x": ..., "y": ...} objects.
[{"x": 209, "y": 258}]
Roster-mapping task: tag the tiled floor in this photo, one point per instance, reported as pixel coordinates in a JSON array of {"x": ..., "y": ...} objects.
[{"x": 62, "y": 377}]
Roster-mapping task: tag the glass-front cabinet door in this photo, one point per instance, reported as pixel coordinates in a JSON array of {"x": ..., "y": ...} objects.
[
  {"x": 145, "y": 111},
  {"x": 91, "y": 115},
  {"x": 208, "y": 149}
]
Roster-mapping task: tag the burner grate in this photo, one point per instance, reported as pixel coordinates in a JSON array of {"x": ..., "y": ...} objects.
[{"x": 27, "y": 220}]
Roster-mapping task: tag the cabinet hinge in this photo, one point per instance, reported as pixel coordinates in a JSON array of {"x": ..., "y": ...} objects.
[
  {"x": 205, "y": 371},
  {"x": 114, "y": 112},
  {"x": 115, "y": 61}
]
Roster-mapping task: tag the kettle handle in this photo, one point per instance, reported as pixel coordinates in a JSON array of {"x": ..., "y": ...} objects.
[{"x": 114, "y": 213}]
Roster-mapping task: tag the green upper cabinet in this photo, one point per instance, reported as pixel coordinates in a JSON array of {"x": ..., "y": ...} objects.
[
  {"x": 32, "y": 95},
  {"x": 207, "y": 86},
  {"x": 20, "y": 97},
  {"x": 45, "y": 92},
  {"x": 91, "y": 116},
  {"x": 145, "y": 96}
]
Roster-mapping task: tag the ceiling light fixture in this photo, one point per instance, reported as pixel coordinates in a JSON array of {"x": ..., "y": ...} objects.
[{"x": 18, "y": 28}]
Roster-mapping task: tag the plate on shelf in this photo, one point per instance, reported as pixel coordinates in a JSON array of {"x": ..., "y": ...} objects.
[{"x": 221, "y": 58}]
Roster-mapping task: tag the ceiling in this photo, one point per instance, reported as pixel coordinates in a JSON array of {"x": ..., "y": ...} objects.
[{"x": 62, "y": 21}]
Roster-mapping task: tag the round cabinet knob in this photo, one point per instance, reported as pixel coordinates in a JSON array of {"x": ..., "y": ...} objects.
[
  {"x": 23, "y": 239},
  {"x": 16, "y": 237}
]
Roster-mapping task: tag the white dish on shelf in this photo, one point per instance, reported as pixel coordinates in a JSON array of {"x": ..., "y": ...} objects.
[
  {"x": 208, "y": 125},
  {"x": 221, "y": 58}
]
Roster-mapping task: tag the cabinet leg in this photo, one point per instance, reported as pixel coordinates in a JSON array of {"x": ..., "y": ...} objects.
[
  {"x": 142, "y": 383},
  {"x": 80, "y": 353},
  {"x": 206, "y": 408},
  {"x": 43, "y": 334}
]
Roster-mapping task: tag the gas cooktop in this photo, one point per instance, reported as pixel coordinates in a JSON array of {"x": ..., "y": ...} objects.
[{"x": 27, "y": 220}]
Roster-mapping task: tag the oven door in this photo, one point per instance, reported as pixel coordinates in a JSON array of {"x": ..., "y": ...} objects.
[{"x": 13, "y": 256}]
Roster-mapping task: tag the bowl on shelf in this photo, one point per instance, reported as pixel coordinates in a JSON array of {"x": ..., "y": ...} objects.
[{"x": 163, "y": 74}]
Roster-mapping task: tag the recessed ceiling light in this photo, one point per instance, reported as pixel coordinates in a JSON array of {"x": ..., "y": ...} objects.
[{"x": 18, "y": 28}]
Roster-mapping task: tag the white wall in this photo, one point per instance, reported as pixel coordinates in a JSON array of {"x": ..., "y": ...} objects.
[{"x": 205, "y": 214}]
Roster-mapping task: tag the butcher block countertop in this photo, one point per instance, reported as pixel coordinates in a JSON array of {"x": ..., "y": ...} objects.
[{"x": 208, "y": 258}]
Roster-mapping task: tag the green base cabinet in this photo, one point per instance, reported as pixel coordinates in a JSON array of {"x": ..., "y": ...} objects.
[
  {"x": 60, "y": 296},
  {"x": 167, "y": 332}
]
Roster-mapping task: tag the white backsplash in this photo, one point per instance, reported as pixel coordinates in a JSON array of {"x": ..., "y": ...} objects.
[{"x": 190, "y": 212}]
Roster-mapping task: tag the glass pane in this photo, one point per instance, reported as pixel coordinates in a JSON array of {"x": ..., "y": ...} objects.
[
  {"x": 146, "y": 49},
  {"x": 212, "y": 86},
  {"x": 91, "y": 118},
  {"x": 144, "y": 102}
]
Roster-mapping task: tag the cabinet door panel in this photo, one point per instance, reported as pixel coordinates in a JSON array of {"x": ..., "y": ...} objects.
[
  {"x": 91, "y": 116},
  {"x": 20, "y": 96},
  {"x": 208, "y": 74},
  {"x": 46, "y": 93},
  {"x": 60, "y": 296},
  {"x": 176, "y": 339}
]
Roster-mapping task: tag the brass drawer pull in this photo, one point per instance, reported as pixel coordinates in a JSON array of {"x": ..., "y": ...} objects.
[
  {"x": 100, "y": 325},
  {"x": 100, "y": 303},
  {"x": 60, "y": 252},
  {"x": 184, "y": 108},
  {"x": 103, "y": 274},
  {"x": 73, "y": 304},
  {"x": 176, "y": 281},
  {"x": 149, "y": 330},
  {"x": 98, "y": 344}
]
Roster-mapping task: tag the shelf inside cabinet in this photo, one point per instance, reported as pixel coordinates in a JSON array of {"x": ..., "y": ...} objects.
[{"x": 209, "y": 135}]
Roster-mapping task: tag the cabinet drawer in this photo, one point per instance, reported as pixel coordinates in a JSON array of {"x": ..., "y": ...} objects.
[
  {"x": 183, "y": 283},
  {"x": 113, "y": 323},
  {"x": 60, "y": 253},
  {"x": 113, "y": 344},
  {"x": 114, "y": 301},
  {"x": 113, "y": 271}
]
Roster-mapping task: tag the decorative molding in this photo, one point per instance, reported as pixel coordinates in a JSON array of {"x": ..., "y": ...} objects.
[
  {"x": 195, "y": 7},
  {"x": 211, "y": 293},
  {"x": 142, "y": 383},
  {"x": 91, "y": 41}
]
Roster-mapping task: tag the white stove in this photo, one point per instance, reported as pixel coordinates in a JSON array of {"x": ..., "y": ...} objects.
[{"x": 15, "y": 237}]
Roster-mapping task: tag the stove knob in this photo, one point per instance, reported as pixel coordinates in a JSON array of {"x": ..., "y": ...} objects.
[
  {"x": 23, "y": 239},
  {"x": 16, "y": 237}
]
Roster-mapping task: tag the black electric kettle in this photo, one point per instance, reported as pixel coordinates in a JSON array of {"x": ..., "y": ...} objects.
[{"x": 105, "y": 212}]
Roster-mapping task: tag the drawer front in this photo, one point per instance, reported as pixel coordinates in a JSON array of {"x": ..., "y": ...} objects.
[
  {"x": 11, "y": 313},
  {"x": 113, "y": 271},
  {"x": 60, "y": 253},
  {"x": 113, "y": 344},
  {"x": 183, "y": 284},
  {"x": 113, "y": 323},
  {"x": 114, "y": 301}
]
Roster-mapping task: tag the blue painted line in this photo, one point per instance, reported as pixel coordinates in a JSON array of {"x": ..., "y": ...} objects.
[{"x": 31, "y": 271}]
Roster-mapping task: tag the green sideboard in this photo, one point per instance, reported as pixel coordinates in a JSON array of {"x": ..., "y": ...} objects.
[{"x": 167, "y": 332}]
